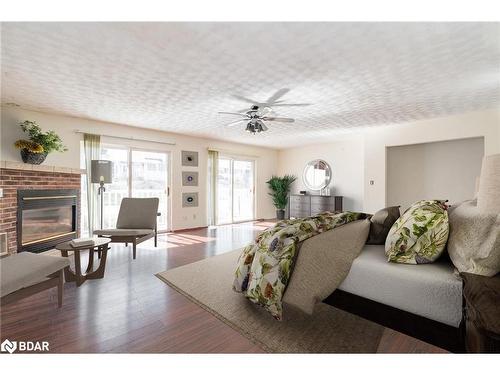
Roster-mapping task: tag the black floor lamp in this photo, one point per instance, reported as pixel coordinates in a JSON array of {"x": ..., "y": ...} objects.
[{"x": 101, "y": 173}]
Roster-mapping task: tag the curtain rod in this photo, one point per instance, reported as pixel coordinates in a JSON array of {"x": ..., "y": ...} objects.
[
  {"x": 172, "y": 143},
  {"x": 232, "y": 152}
]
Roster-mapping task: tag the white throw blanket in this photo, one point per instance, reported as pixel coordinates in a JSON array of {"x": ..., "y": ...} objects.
[{"x": 474, "y": 240}]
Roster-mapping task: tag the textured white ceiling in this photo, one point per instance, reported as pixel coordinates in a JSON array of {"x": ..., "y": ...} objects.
[{"x": 176, "y": 76}]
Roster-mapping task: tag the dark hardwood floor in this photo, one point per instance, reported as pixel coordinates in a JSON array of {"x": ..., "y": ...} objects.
[{"x": 131, "y": 310}]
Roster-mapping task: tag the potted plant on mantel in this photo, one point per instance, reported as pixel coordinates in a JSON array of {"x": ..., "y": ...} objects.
[
  {"x": 280, "y": 188},
  {"x": 39, "y": 145}
]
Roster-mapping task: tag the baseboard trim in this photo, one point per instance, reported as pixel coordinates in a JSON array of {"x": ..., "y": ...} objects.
[
  {"x": 186, "y": 229},
  {"x": 206, "y": 226}
]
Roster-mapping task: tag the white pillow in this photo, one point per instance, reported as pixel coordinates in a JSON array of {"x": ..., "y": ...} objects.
[{"x": 474, "y": 240}]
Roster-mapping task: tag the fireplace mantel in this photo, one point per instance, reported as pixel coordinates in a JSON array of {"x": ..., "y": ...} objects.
[{"x": 6, "y": 164}]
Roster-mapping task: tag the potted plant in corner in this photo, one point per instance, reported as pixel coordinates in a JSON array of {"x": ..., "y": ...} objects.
[
  {"x": 39, "y": 145},
  {"x": 280, "y": 188}
]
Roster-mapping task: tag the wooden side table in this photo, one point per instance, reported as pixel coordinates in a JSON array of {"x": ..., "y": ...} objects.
[
  {"x": 482, "y": 304},
  {"x": 100, "y": 245}
]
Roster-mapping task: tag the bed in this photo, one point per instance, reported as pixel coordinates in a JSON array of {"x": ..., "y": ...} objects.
[{"x": 424, "y": 301}]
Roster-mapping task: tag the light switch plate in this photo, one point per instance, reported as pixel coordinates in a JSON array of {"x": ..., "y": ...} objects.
[{"x": 3, "y": 244}]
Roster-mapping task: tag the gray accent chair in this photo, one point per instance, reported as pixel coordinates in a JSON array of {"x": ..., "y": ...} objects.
[
  {"x": 24, "y": 274},
  {"x": 136, "y": 222}
]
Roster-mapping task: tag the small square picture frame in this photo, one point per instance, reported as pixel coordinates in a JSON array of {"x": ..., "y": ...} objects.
[
  {"x": 189, "y": 158},
  {"x": 189, "y": 199},
  {"x": 189, "y": 178}
]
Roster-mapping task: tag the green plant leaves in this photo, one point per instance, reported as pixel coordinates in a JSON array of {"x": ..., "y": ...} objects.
[
  {"x": 280, "y": 188},
  {"x": 50, "y": 141}
]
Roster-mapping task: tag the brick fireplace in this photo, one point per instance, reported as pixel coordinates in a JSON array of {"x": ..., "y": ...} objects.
[{"x": 15, "y": 177}]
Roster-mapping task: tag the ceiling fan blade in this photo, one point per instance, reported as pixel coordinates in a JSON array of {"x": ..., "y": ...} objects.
[
  {"x": 278, "y": 119},
  {"x": 265, "y": 111},
  {"x": 248, "y": 100},
  {"x": 245, "y": 110},
  {"x": 233, "y": 113},
  {"x": 278, "y": 94},
  {"x": 291, "y": 105},
  {"x": 236, "y": 122}
]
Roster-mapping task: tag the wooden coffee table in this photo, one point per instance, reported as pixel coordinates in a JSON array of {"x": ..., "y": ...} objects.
[{"x": 100, "y": 245}]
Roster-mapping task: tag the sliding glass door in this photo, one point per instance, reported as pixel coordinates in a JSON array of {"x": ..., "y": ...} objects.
[
  {"x": 243, "y": 188},
  {"x": 149, "y": 173},
  {"x": 119, "y": 188},
  {"x": 139, "y": 174},
  {"x": 235, "y": 190},
  {"x": 224, "y": 192}
]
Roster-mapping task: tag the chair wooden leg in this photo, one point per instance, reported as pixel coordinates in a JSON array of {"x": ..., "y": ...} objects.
[
  {"x": 60, "y": 288},
  {"x": 99, "y": 251},
  {"x": 134, "y": 245}
]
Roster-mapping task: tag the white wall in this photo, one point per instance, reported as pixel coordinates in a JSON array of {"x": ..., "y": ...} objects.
[
  {"x": 436, "y": 170},
  {"x": 473, "y": 124},
  {"x": 360, "y": 157},
  {"x": 345, "y": 158},
  {"x": 265, "y": 159},
  {"x": 356, "y": 159}
]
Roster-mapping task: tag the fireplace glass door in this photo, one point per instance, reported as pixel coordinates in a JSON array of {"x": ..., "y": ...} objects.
[{"x": 41, "y": 224}]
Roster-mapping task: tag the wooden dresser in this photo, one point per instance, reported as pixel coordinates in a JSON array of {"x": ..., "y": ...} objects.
[{"x": 308, "y": 205}]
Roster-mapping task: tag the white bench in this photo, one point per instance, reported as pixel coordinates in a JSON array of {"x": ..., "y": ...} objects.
[{"x": 24, "y": 274}]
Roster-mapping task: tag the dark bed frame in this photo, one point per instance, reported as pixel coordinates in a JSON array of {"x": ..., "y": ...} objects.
[{"x": 428, "y": 330}]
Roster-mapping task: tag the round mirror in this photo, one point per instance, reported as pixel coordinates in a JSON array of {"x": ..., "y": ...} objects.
[{"x": 317, "y": 174}]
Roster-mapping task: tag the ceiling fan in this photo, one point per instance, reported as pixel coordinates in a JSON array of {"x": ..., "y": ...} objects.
[
  {"x": 255, "y": 119},
  {"x": 261, "y": 111}
]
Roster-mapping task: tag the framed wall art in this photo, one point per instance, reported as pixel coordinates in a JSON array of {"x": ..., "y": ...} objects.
[
  {"x": 189, "y": 158},
  {"x": 189, "y": 178},
  {"x": 189, "y": 199}
]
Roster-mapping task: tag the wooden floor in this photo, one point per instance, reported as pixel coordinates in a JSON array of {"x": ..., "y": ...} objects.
[{"x": 131, "y": 310}]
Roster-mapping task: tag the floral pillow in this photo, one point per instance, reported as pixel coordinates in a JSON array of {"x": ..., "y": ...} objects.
[
  {"x": 242, "y": 273},
  {"x": 420, "y": 234}
]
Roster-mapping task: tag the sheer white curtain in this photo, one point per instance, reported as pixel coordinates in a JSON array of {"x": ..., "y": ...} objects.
[
  {"x": 92, "y": 150},
  {"x": 213, "y": 166}
]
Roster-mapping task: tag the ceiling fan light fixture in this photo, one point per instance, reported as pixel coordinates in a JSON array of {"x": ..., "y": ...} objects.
[{"x": 250, "y": 128}]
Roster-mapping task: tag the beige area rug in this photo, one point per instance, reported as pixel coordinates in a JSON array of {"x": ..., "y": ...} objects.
[{"x": 329, "y": 330}]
